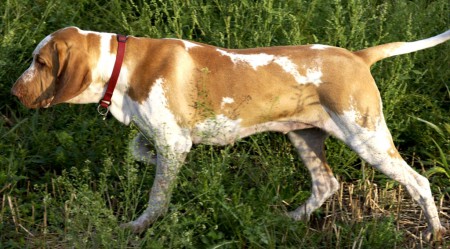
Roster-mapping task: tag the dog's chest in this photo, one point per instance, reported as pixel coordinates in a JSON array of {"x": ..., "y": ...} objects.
[{"x": 218, "y": 130}]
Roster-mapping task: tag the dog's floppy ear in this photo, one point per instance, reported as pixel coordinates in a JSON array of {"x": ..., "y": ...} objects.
[
  {"x": 72, "y": 71},
  {"x": 59, "y": 53}
]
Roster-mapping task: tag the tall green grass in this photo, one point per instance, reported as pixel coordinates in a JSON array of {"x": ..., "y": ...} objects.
[{"x": 67, "y": 180}]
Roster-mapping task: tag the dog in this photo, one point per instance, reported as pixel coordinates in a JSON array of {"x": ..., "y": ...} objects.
[{"x": 181, "y": 93}]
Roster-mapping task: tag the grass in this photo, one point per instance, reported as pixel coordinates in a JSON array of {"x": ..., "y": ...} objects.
[{"x": 67, "y": 180}]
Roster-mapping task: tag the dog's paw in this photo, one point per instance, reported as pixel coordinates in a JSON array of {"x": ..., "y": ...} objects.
[
  {"x": 134, "y": 226},
  {"x": 431, "y": 235},
  {"x": 141, "y": 224},
  {"x": 299, "y": 215}
]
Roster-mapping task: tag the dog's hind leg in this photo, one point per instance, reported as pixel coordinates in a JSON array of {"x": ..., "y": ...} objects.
[
  {"x": 373, "y": 142},
  {"x": 310, "y": 146}
]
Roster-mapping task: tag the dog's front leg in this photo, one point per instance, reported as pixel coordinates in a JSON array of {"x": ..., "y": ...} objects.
[
  {"x": 170, "y": 157},
  {"x": 140, "y": 149}
]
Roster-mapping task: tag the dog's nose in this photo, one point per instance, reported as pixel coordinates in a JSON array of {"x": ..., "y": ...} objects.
[
  {"x": 14, "y": 91},
  {"x": 17, "y": 90}
]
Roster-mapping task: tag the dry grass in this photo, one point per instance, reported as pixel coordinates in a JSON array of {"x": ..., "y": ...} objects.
[
  {"x": 43, "y": 207},
  {"x": 365, "y": 201},
  {"x": 359, "y": 202}
]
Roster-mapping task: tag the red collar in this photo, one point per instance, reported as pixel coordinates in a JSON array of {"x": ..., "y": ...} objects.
[{"x": 106, "y": 100}]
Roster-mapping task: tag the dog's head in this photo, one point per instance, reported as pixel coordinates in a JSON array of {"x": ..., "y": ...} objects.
[{"x": 60, "y": 70}]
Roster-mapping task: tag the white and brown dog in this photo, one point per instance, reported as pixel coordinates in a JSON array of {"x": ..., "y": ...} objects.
[{"x": 181, "y": 93}]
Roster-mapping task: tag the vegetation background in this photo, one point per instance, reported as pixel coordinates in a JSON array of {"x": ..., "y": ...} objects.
[{"x": 67, "y": 180}]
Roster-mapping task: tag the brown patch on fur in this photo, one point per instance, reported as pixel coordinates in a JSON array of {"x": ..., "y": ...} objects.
[
  {"x": 265, "y": 94},
  {"x": 76, "y": 56},
  {"x": 65, "y": 73},
  {"x": 393, "y": 152},
  {"x": 377, "y": 53},
  {"x": 151, "y": 59},
  {"x": 148, "y": 61},
  {"x": 198, "y": 80},
  {"x": 349, "y": 85}
]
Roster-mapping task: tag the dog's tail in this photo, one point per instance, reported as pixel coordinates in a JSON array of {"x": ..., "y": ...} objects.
[{"x": 377, "y": 53}]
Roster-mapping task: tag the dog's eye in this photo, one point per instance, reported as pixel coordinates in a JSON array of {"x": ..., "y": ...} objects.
[{"x": 40, "y": 61}]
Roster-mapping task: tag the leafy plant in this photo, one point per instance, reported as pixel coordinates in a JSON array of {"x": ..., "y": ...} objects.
[
  {"x": 66, "y": 179},
  {"x": 440, "y": 160}
]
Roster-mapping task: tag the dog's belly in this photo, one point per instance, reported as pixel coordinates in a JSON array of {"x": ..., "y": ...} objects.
[{"x": 222, "y": 131}]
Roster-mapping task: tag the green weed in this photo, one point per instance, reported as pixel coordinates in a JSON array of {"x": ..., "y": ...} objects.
[{"x": 66, "y": 179}]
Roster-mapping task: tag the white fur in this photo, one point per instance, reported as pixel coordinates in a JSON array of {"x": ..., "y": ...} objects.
[
  {"x": 313, "y": 75},
  {"x": 345, "y": 127},
  {"x": 155, "y": 119},
  {"x": 101, "y": 73},
  {"x": 92, "y": 94},
  {"x": 409, "y": 47},
  {"x": 30, "y": 73},
  {"x": 106, "y": 59},
  {"x": 373, "y": 145},
  {"x": 42, "y": 44},
  {"x": 254, "y": 60},
  {"x": 86, "y": 32},
  {"x": 189, "y": 45},
  {"x": 320, "y": 46},
  {"x": 219, "y": 130},
  {"x": 225, "y": 101}
]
